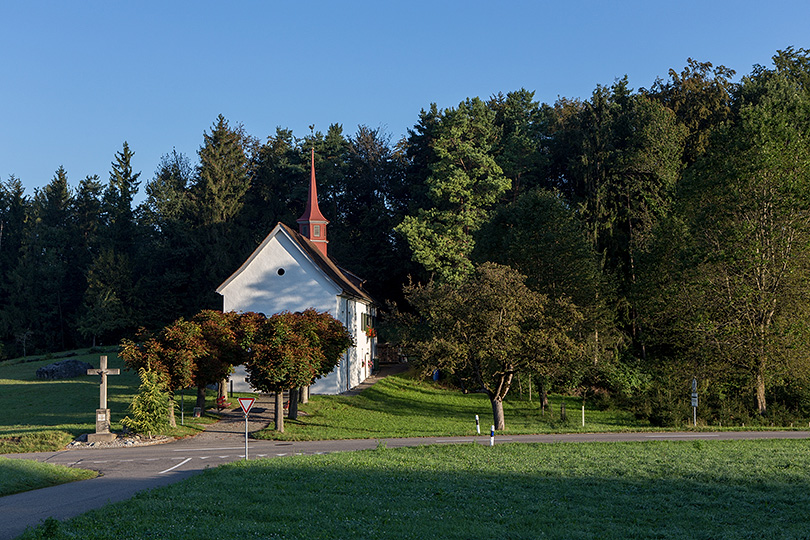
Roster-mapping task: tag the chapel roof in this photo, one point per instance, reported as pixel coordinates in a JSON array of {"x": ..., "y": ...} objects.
[
  {"x": 312, "y": 213},
  {"x": 350, "y": 283}
]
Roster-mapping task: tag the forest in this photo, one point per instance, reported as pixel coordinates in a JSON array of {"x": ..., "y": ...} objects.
[{"x": 672, "y": 222}]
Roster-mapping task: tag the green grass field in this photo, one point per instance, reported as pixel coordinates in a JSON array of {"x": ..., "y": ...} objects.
[
  {"x": 40, "y": 415},
  {"x": 672, "y": 490},
  {"x": 399, "y": 406},
  {"x": 17, "y": 475},
  {"x": 751, "y": 489}
]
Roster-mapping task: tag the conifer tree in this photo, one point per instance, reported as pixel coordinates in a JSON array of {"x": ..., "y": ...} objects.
[
  {"x": 150, "y": 407},
  {"x": 463, "y": 184}
]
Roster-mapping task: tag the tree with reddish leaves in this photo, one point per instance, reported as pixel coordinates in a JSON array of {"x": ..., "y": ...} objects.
[
  {"x": 174, "y": 351},
  {"x": 220, "y": 333},
  {"x": 284, "y": 352},
  {"x": 291, "y": 350}
]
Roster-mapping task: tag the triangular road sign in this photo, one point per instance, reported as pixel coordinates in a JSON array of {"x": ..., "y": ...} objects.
[{"x": 246, "y": 403}]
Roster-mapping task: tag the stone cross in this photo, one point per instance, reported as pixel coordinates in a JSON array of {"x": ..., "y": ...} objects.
[
  {"x": 103, "y": 371},
  {"x": 102, "y": 413}
]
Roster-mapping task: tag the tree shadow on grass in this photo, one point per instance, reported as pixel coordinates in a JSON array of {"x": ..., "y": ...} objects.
[{"x": 386, "y": 494}]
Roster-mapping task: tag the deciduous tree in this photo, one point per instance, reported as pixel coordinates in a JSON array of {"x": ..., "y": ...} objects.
[
  {"x": 489, "y": 327},
  {"x": 741, "y": 270},
  {"x": 174, "y": 352},
  {"x": 290, "y": 350},
  {"x": 540, "y": 236}
]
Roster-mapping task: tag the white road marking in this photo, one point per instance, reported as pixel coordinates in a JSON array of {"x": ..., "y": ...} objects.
[
  {"x": 206, "y": 449},
  {"x": 683, "y": 436},
  {"x": 178, "y": 465}
]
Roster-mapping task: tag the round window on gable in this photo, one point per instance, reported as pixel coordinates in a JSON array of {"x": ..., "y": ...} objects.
[{"x": 281, "y": 271}]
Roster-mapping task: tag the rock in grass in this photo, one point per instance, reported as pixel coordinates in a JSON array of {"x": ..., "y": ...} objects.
[{"x": 66, "y": 369}]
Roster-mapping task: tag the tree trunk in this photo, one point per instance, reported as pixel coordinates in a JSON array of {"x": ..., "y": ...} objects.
[
  {"x": 172, "y": 420},
  {"x": 280, "y": 411},
  {"x": 222, "y": 389},
  {"x": 200, "y": 398},
  {"x": 544, "y": 394},
  {"x": 292, "y": 414},
  {"x": 761, "y": 405},
  {"x": 497, "y": 414},
  {"x": 303, "y": 397}
]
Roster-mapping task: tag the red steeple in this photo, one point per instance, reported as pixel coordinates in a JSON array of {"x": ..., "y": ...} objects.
[{"x": 312, "y": 224}]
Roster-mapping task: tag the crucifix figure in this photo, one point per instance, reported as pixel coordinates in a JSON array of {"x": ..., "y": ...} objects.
[{"x": 102, "y": 413}]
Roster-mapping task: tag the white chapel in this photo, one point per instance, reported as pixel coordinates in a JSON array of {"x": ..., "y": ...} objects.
[{"x": 292, "y": 271}]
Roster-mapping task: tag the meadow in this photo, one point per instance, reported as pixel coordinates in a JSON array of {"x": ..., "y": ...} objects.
[
  {"x": 401, "y": 406},
  {"x": 673, "y": 490},
  {"x": 704, "y": 489},
  {"x": 17, "y": 475},
  {"x": 38, "y": 415}
]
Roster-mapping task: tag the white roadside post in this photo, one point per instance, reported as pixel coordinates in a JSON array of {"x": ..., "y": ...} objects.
[
  {"x": 246, "y": 403},
  {"x": 694, "y": 401},
  {"x": 492, "y": 436},
  {"x": 477, "y": 425}
]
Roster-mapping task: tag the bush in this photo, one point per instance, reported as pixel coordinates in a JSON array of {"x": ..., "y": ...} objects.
[
  {"x": 600, "y": 399},
  {"x": 663, "y": 406},
  {"x": 150, "y": 408}
]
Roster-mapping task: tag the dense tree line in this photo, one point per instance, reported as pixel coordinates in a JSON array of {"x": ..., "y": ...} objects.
[
  {"x": 672, "y": 219},
  {"x": 85, "y": 265}
]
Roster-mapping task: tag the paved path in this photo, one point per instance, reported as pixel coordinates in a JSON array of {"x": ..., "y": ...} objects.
[{"x": 125, "y": 471}]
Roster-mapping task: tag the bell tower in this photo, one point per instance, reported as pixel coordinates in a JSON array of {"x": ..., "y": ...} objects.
[{"x": 312, "y": 224}]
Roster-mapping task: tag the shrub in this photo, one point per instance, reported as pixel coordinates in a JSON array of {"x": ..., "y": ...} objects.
[
  {"x": 663, "y": 404},
  {"x": 150, "y": 408}
]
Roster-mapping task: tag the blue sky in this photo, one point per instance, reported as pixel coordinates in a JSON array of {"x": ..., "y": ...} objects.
[{"x": 80, "y": 78}]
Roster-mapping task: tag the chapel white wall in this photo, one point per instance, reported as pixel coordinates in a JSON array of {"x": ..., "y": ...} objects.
[{"x": 260, "y": 288}]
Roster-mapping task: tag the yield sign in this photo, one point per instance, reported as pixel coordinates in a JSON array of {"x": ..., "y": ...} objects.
[{"x": 246, "y": 403}]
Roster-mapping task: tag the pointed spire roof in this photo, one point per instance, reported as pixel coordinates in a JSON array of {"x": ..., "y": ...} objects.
[{"x": 312, "y": 213}]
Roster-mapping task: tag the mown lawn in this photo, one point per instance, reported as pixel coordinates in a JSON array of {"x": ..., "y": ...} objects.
[
  {"x": 18, "y": 475},
  {"x": 673, "y": 490},
  {"x": 399, "y": 406}
]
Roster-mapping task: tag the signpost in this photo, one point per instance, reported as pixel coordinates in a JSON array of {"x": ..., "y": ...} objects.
[
  {"x": 246, "y": 403},
  {"x": 694, "y": 401}
]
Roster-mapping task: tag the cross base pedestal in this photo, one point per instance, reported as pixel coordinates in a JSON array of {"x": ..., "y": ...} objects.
[
  {"x": 102, "y": 420},
  {"x": 102, "y": 433},
  {"x": 101, "y": 437}
]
